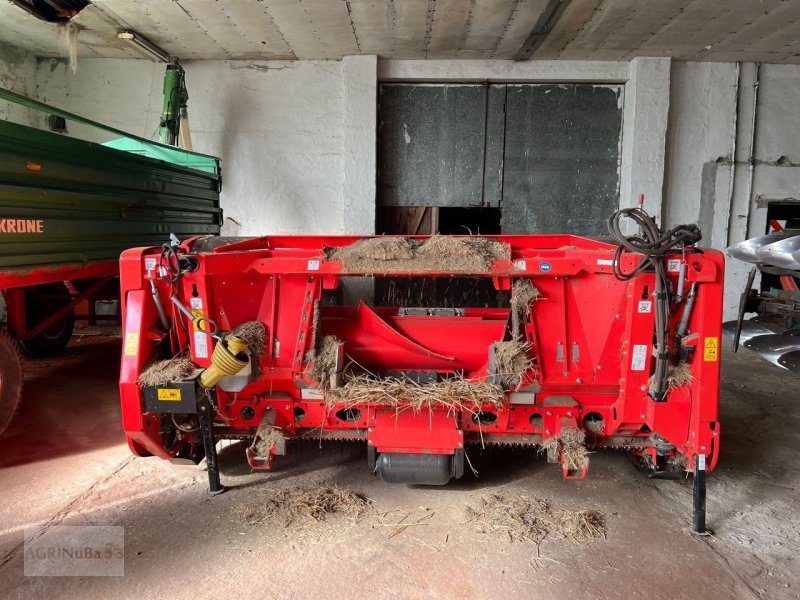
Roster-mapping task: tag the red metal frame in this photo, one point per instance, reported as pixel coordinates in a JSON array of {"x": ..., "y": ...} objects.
[
  {"x": 13, "y": 284},
  {"x": 591, "y": 337}
]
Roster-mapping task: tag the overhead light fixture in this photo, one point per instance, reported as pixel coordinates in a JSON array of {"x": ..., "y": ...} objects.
[{"x": 143, "y": 46}]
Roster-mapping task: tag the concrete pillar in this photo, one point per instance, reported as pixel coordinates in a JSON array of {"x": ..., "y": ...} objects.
[
  {"x": 360, "y": 81},
  {"x": 360, "y": 97},
  {"x": 644, "y": 131}
]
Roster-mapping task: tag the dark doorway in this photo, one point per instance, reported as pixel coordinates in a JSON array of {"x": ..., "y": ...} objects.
[
  {"x": 457, "y": 220},
  {"x": 546, "y": 155}
]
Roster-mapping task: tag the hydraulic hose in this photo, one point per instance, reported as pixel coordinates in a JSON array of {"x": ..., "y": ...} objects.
[{"x": 653, "y": 245}]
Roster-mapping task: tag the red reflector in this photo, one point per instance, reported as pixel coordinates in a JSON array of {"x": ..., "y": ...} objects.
[{"x": 31, "y": 166}]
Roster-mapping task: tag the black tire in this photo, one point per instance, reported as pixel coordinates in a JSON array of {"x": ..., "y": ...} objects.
[
  {"x": 10, "y": 380},
  {"x": 40, "y": 303}
]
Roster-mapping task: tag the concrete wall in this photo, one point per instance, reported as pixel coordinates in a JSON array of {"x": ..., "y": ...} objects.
[
  {"x": 18, "y": 74},
  {"x": 732, "y": 146},
  {"x": 706, "y": 142}
]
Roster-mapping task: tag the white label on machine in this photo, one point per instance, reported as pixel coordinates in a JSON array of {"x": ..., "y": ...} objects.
[
  {"x": 520, "y": 265},
  {"x": 313, "y": 265},
  {"x": 605, "y": 262},
  {"x": 639, "y": 357},
  {"x": 200, "y": 344},
  {"x": 701, "y": 462},
  {"x": 150, "y": 263},
  {"x": 196, "y": 303},
  {"x": 674, "y": 265},
  {"x": 645, "y": 306}
]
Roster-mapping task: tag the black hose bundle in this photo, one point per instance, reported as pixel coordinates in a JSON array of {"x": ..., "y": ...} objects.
[{"x": 653, "y": 245}]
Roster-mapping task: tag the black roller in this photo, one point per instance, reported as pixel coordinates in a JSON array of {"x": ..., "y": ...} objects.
[{"x": 424, "y": 469}]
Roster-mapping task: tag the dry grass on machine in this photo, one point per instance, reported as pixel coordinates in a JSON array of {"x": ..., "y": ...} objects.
[
  {"x": 255, "y": 334},
  {"x": 437, "y": 253},
  {"x": 570, "y": 443},
  {"x": 167, "y": 371},
  {"x": 595, "y": 426},
  {"x": 679, "y": 375},
  {"x": 453, "y": 393},
  {"x": 523, "y": 292},
  {"x": 525, "y": 519},
  {"x": 298, "y": 506},
  {"x": 266, "y": 437},
  {"x": 511, "y": 361},
  {"x": 322, "y": 360}
]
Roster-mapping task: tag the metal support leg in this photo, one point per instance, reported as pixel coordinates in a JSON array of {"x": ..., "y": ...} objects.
[
  {"x": 699, "y": 496},
  {"x": 214, "y": 485}
]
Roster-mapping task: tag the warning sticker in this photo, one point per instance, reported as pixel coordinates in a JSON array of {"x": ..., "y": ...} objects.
[
  {"x": 673, "y": 265},
  {"x": 520, "y": 265},
  {"x": 711, "y": 349},
  {"x": 645, "y": 306},
  {"x": 639, "y": 357},
  {"x": 131, "y": 343},
  {"x": 197, "y": 314},
  {"x": 200, "y": 344},
  {"x": 196, "y": 303},
  {"x": 313, "y": 265},
  {"x": 169, "y": 395}
]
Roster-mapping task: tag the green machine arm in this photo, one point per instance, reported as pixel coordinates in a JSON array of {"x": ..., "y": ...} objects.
[{"x": 174, "y": 116}]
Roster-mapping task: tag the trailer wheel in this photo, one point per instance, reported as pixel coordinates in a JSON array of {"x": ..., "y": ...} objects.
[
  {"x": 10, "y": 380},
  {"x": 39, "y": 304}
]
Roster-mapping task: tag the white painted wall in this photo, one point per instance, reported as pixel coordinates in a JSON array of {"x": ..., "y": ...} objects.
[{"x": 709, "y": 178}]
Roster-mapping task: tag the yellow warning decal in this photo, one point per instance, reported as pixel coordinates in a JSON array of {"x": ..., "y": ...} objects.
[
  {"x": 169, "y": 394},
  {"x": 711, "y": 349},
  {"x": 131, "y": 343},
  {"x": 197, "y": 314}
]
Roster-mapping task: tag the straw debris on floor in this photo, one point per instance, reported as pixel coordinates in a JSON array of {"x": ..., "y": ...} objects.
[
  {"x": 530, "y": 519},
  {"x": 570, "y": 443},
  {"x": 300, "y": 506},
  {"x": 437, "y": 253},
  {"x": 167, "y": 371},
  {"x": 454, "y": 393},
  {"x": 511, "y": 361}
]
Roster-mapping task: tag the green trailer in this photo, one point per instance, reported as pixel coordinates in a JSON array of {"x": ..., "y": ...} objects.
[{"x": 68, "y": 208}]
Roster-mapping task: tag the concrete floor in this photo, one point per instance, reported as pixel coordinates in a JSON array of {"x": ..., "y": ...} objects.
[{"x": 64, "y": 462}]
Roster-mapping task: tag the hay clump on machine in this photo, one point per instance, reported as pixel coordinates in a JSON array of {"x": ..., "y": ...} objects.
[
  {"x": 266, "y": 437},
  {"x": 437, "y": 253},
  {"x": 595, "y": 426},
  {"x": 570, "y": 443},
  {"x": 523, "y": 292},
  {"x": 511, "y": 361},
  {"x": 255, "y": 334},
  {"x": 454, "y": 393},
  {"x": 167, "y": 371},
  {"x": 322, "y": 360},
  {"x": 679, "y": 375},
  {"x": 525, "y": 519},
  {"x": 303, "y": 505}
]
